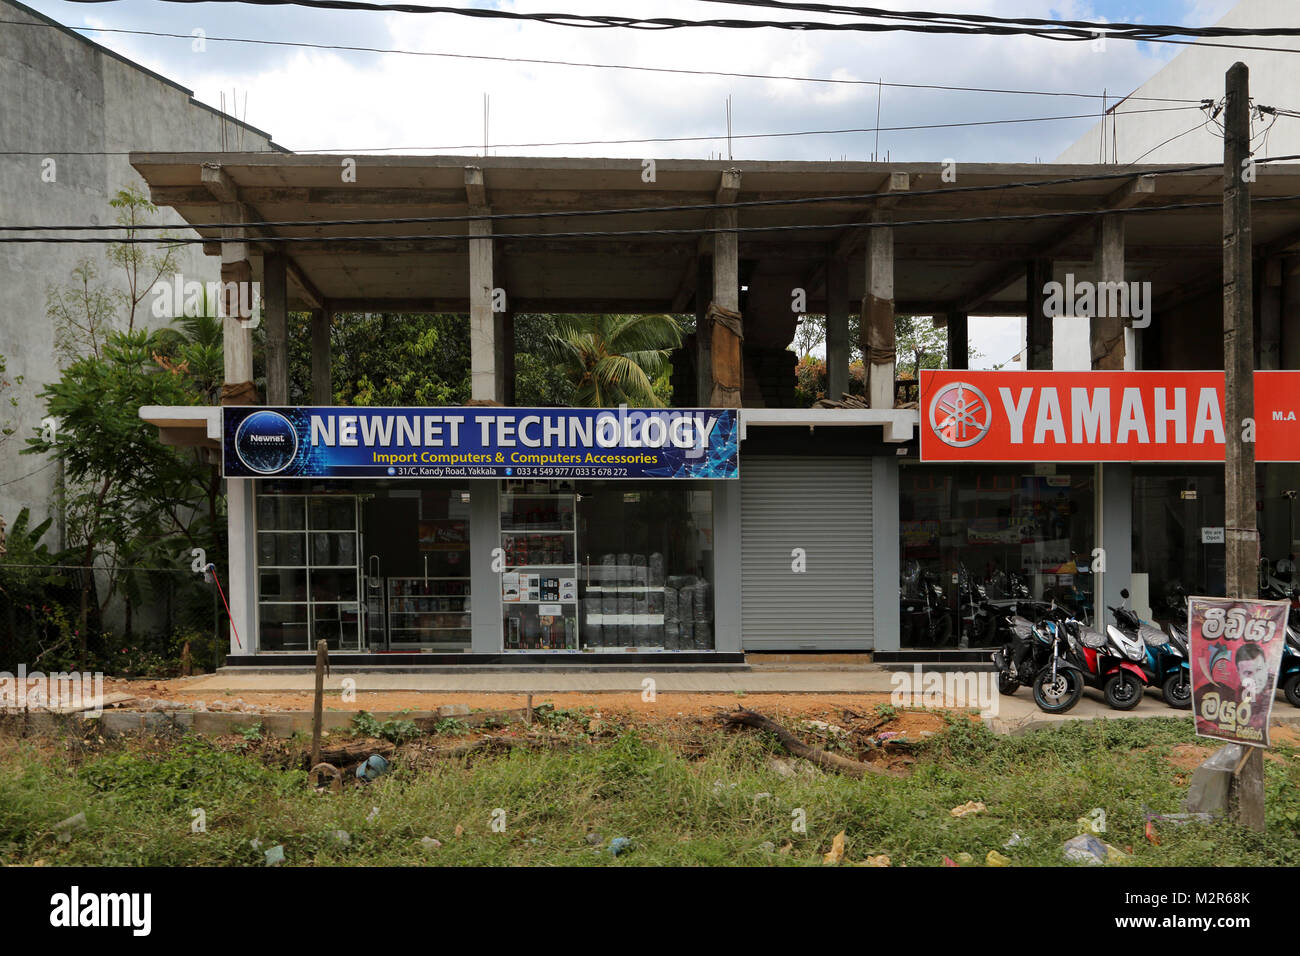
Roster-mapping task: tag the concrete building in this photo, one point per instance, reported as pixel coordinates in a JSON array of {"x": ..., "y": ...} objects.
[
  {"x": 1196, "y": 73},
  {"x": 70, "y": 112},
  {"x": 801, "y": 547}
]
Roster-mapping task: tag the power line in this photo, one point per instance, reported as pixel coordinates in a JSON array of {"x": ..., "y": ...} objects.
[
  {"x": 897, "y": 21},
  {"x": 189, "y": 37},
  {"x": 634, "y": 210},
  {"x": 653, "y": 139},
  {"x": 628, "y": 233}
]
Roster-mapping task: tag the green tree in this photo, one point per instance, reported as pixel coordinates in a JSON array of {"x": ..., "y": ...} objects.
[
  {"x": 613, "y": 359},
  {"x": 129, "y": 495}
]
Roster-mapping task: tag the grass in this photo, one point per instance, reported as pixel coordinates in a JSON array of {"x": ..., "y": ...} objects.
[{"x": 139, "y": 799}]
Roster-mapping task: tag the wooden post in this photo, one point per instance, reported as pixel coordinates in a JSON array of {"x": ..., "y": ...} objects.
[
  {"x": 877, "y": 328},
  {"x": 1107, "y": 333},
  {"x": 322, "y": 390},
  {"x": 275, "y": 315},
  {"x": 1241, "y": 534},
  {"x": 322, "y": 663}
]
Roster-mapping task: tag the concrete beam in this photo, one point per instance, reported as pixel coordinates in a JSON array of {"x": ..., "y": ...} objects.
[{"x": 958, "y": 340}]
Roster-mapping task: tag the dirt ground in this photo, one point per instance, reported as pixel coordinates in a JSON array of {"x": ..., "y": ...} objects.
[{"x": 664, "y": 707}]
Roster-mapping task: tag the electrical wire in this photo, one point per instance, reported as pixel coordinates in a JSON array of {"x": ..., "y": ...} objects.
[
  {"x": 629, "y": 233},
  {"x": 633, "y": 141},
  {"x": 897, "y": 21},
  {"x": 189, "y": 37}
]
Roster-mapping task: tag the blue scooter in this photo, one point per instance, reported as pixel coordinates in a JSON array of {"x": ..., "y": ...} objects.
[
  {"x": 1167, "y": 662},
  {"x": 1288, "y": 675}
]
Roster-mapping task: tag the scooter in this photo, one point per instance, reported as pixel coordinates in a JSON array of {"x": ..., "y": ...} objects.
[
  {"x": 1167, "y": 663},
  {"x": 1288, "y": 674},
  {"x": 1123, "y": 679}
]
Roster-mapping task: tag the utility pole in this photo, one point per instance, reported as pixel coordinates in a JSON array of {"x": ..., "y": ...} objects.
[{"x": 1241, "y": 534}]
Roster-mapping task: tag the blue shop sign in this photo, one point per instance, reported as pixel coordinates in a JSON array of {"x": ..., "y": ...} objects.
[{"x": 479, "y": 442}]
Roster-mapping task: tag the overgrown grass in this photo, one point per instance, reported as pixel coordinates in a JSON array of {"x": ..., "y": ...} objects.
[{"x": 140, "y": 800}]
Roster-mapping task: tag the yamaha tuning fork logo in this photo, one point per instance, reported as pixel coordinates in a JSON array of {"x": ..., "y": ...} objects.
[
  {"x": 960, "y": 414},
  {"x": 266, "y": 442}
]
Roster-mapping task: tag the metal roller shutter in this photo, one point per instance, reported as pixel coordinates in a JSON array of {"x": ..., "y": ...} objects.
[{"x": 822, "y": 505}]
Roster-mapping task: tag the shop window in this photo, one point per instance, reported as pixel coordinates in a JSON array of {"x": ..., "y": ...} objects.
[
  {"x": 607, "y": 566},
  {"x": 1177, "y": 545},
  {"x": 973, "y": 532},
  {"x": 307, "y": 572}
]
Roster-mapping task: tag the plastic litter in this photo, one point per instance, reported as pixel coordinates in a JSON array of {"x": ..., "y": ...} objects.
[
  {"x": 342, "y": 836},
  {"x": 374, "y": 767},
  {"x": 620, "y": 845},
  {"x": 1208, "y": 792},
  {"x": 995, "y": 858},
  {"x": 275, "y": 855},
  {"x": 968, "y": 808},
  {"x": 1015, "y": 840},
  {"x": 429, "y": 843},
  {"x": 1086, "y": 848},
  {"x": 594, "y": 839},
  {"x": 64, "y": 828}
]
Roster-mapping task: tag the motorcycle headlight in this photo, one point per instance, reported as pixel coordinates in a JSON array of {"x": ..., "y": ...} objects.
[{"x": 1137, "y": 653}]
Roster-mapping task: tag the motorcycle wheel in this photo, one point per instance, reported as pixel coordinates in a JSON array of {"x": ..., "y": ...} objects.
[
  {"x": 1292, "y": 690},
  {"x": 1056, "y": 697},
  {"x": 1177, "y": 691},
  {"x": 1007, "y": 685},
  {"x": 1123, "y": 691}
]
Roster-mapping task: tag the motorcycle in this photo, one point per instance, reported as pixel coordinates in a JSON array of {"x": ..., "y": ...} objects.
[
  {"x": 924, "y": 619},
  {"x": 1119, "y": 668},
  {"x": 1020, "y": 659},
  {"x": 1288, "y": 675},
  {"x": 982, "y": 620},
  {"x": 1058, "y": 685},
  {"x": 1171, "y": 660}
]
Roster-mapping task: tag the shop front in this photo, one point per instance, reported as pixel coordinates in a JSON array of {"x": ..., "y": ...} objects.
[
  {"x": 497, "y": 533},
  {"x": 1073, "y": 486}
]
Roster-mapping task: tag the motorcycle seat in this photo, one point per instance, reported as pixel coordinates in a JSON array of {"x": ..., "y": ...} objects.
[
  {"x": 1091, "y": 638},
  {"x": 1153, "y": 636}
]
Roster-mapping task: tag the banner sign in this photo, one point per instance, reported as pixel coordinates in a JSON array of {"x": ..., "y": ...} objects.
[
  {"x": 1235, "y": 649},
  {"x": 479, "y": 442},
  {"x": 1100, "y": 416}
]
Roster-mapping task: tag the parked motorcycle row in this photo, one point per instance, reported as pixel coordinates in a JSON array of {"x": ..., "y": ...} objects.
[
  {"x": 1059, "y": 655},
  {"x": 929, "y": 618}
]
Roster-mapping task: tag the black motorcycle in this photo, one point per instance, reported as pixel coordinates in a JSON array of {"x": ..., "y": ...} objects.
[
  {"x": 1020, "y": 659},
  {"x": 924, "y": 616}
]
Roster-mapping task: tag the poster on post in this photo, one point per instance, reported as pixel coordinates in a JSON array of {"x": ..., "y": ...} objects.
[{"x": 1235, "y": 647}]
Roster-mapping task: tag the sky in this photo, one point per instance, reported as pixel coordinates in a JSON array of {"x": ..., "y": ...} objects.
[{"x": 314, "y": 99}]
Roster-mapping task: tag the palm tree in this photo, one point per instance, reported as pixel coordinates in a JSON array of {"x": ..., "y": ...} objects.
[{"x": 613, "y": 359}]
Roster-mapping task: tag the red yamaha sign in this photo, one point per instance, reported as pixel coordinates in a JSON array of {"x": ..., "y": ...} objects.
[{"x": 1100, "y": 416}]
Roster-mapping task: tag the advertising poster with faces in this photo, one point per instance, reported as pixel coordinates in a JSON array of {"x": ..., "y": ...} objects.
[{"x": 1236, "y": 646}]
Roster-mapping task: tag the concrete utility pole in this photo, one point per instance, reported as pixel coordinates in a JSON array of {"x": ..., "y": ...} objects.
[{"x": 1242, "y": 533}]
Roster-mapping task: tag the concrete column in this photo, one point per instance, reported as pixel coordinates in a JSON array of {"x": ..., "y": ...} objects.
[
  {"x": 1270, "y": 315},
  {"x": 958, "y": 341},
  {"x": 1038, "y": 324},
  {"x": 1291, "y": 313},
  {"x": 1108, "y": 335},
  {"x": 484, "y": 583},
  {"x": 726, "y": 349},
  {"x": 506, "y": 335},
  {"x": 482, "y": 320},
  {"x": 275, "y": 314},
  {"x": 884, "y": 553},
  {"x": 322, "y": 390},
  {"x": 837, "y": 326},
  {"x": 241, "y": 583},
  {"x": 877, "y": 329},
  {"x": 237, "y": 338},
  {"x": 727, "y": 632},
  {"x": 703, "y": 351},
  {"x": 1114, "y": 535}
]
